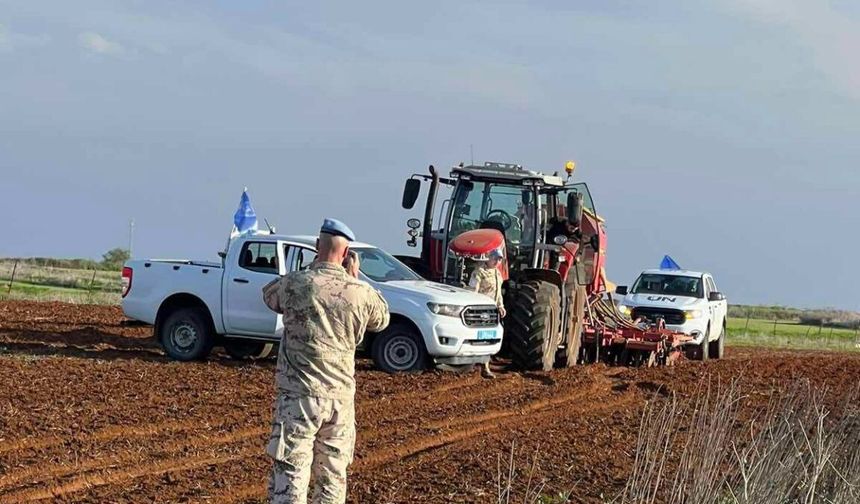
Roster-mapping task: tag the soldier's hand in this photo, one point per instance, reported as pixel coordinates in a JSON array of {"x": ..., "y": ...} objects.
[
  {"x": 352, "y": 264},
  {"x": 502, "y": 312}
]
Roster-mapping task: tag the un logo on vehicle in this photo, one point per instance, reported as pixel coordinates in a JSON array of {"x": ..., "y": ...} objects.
[{"x": 662, "y": 298}]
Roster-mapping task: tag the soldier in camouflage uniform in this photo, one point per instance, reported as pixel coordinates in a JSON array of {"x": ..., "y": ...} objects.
[
  {"x": 326, "y": 312},
  {"x": 487, "y": 280}
]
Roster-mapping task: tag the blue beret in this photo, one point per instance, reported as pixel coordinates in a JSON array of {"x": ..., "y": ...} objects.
[{"x": 337, "y": 228}]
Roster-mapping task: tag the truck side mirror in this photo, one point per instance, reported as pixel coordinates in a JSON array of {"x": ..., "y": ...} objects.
[
  {"x": 574, "y": 208},
  {"x": 410, "y": 193},
  {"x": 621, "y": 290},
  {"x": 716, "y": 296}
]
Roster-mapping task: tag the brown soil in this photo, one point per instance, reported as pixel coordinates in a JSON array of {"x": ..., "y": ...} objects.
[{"x": 91, "y": 411}]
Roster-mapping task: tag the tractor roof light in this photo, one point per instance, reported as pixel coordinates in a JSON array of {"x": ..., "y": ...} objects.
[{"x": 569, "y": 167}]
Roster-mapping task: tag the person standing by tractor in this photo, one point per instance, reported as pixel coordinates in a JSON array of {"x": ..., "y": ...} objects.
[
  {"x": 487, "y": 280},
  {"x": 326, "y": 311}
]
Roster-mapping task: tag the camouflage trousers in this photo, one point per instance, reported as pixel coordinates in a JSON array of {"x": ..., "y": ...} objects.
[{"x": 311, "y": 436}]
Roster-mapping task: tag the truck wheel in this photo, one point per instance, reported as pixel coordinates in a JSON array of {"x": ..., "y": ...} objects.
[
  {"x": 701, "y": 350},
  {"x": 186, "y": 335},
  {"x": 532, "y": 325},
  {"x": 247, "y": 349},
  {"x": 717, "y": 348},
  {"x": 399, "y": 349}
]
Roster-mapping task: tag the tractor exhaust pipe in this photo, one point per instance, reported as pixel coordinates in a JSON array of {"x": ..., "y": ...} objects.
[{"x": 428, "y": 216}]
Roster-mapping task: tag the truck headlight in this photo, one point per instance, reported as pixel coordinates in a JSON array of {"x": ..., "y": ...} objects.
[
  {"x": 624, "y": 310},
  {"x": 448, "y": 310},
  {"x": 692, "y": 314}
]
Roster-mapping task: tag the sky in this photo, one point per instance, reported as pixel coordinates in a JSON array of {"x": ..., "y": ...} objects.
[{"x": 724, "y": 132}]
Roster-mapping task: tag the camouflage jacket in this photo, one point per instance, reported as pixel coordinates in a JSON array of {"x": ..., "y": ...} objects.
[
  {"x": 326, "y": 313},
  {"x": 488, "y": 281}
]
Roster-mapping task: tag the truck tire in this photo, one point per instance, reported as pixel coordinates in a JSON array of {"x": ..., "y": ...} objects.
[
  {"x": 532, "y": 325},
  {"x": 399, "y": 349},
  {"x": 186, "y": 334},
  {"x": 701, "y": 350},
  {"x": 241, "y": 349},
  {"x": 716, "y": 349}
]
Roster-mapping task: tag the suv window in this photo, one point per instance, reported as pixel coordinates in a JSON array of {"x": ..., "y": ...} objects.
[
  {"x": 298, "y": 258},
  {"x": 261, "y": 257}
]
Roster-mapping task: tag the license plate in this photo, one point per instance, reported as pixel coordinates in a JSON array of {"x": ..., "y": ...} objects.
[{"x": 487, "y": 334}]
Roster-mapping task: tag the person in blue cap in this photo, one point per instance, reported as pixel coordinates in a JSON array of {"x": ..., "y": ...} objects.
[{"x": 326, "y": 310}]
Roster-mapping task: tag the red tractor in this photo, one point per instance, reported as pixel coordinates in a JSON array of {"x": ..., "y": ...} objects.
[{"x": 553, "y": 244}]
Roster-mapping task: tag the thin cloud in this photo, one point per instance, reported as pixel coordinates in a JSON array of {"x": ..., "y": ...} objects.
[
  {"x": 832, "y": 36},
  {"x": 96, "y": 43},
  {"x": 9, "y": 40}
]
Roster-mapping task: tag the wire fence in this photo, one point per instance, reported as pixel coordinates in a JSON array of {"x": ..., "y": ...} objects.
[{"x": 26, "y": 281}]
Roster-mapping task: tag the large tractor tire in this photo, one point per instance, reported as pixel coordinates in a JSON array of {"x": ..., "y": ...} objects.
[
  {"x": 532, "y": 325},
  {"x": 569, "y": 357}
]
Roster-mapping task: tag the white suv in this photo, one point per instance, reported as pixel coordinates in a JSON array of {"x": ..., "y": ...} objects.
[{"x": 687, "y": 301}]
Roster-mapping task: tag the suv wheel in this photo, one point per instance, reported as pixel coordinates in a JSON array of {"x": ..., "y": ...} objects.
[
  {"x": 247, "y": 349},
  {"x": 399, "y": 349},
  {"x": 185, "y": 335}
]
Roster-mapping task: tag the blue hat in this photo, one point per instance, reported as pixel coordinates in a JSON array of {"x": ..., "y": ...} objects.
[{"x": 337, "y": 228}]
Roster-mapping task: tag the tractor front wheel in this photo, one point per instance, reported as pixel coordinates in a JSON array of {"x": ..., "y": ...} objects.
[{"x": 532, "y": 325}]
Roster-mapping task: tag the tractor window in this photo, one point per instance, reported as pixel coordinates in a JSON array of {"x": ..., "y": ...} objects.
[
  {"x": 508, "y": 208},
  {"x": 587, "y": 202}
]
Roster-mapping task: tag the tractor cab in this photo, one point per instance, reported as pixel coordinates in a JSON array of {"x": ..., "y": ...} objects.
[{"x": 495, "y": 206}]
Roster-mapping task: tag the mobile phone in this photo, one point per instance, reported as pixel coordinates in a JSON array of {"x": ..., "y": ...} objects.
[{"x": 350, "y": 257}]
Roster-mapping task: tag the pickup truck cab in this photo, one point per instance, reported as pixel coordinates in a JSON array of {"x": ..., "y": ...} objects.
[
  {"x": 195, "y": 305},
  {"x": 687, "y": 301}
]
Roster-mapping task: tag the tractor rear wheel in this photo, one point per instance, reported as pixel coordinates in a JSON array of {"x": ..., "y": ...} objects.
[
  {"x": 532, "y": 325},
  {"x": 575, "y": 318}
]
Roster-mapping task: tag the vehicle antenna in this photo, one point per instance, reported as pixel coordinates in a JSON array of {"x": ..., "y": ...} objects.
[
  {"x": 471, "y": 154},
  {"x": 271, "y": 228}
]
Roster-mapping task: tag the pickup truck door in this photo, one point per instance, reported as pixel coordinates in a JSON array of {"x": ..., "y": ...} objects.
[{"x": 258, "y": 263}]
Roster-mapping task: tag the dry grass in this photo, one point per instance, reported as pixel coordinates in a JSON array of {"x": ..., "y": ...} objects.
[{"x": 797, "y": 451}]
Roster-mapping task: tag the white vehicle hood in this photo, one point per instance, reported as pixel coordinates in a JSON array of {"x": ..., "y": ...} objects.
[
  {"x": 662, "y": 301},
  {"x": 427, "y": 291}
]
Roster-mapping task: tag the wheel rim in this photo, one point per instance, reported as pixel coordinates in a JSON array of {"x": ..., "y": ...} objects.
[
  {"x": 401, "y": 353},
  {"x": 183, "y": 337}
]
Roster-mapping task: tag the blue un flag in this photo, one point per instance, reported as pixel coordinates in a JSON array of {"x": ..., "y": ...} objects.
[
  {"x": 245, "y": 218},
  {"x": 669, "y": 264}
]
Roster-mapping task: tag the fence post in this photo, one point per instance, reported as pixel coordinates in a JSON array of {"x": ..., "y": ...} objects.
[
  {"x": 747, "y": 326},
  {"x": 93, "y": 279},
  {"x": 14, "y": 269},
  {"x": 774, "y": 326}
]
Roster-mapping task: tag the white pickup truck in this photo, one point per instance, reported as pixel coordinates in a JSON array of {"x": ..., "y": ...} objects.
[
  {"x": 687, "y": 301},
  {"x": 195, "y": 305}
]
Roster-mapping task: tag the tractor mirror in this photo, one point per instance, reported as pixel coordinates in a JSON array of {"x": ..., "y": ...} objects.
[
  {"x": 621, "y": 290},
  {"x": 410, "y": 193},
  {"x": 574, "y": 208}
]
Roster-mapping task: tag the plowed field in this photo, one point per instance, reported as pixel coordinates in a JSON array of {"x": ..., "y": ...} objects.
[{"x": 91, "y": 411}]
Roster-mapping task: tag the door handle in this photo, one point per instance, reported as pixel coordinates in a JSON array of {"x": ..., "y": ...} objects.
[{"x": 240, "y": 280}]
